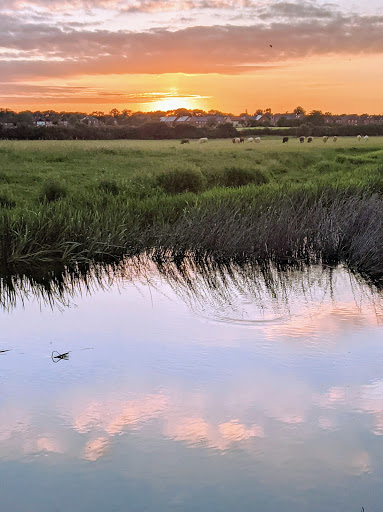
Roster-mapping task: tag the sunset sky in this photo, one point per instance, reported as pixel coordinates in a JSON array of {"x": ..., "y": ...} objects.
[{"x": 230, "y": 55}]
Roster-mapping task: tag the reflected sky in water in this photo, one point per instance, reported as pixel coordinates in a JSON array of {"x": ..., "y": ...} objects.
[{"x": 193, "y": 390}]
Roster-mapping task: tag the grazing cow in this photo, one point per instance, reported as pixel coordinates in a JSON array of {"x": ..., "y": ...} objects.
[
  {"x": 359, "y": 138},
  {"x": 301, "y": 139},
  {"x": 309, "y": 139},
  {"x": 203, "y": 140},
  {"x": 250, "y": 139},
  {"x": 237, "y": 140},
  {"x": 285, "y": 139},
  {"x": 365, "y": 138},
  {"x": 335, "y": 138},
  {"x": 257, "y": 140},
  {"x": 241, "y": 140},
  {"x": 185, "y": 141},
  {"x": 325, "y": 138}
]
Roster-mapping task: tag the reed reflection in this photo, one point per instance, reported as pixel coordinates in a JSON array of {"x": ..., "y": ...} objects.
[{"x": 240, "y": 292}]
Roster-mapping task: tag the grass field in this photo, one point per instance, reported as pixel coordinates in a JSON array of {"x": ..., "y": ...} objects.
[{"x": 81, "y": 200}]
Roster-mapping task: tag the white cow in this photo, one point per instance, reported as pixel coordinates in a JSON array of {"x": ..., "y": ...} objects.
[
  {"x": 335, "y": 138},
  {"x": 365, "y": 138},
  {"x": 250, "y": 139},
  {"x": 359, "y": 138},
  {"x": 257, "y": 140},
  {"x": 202, "y": 140},
  {"x": 325, "y": 138}
]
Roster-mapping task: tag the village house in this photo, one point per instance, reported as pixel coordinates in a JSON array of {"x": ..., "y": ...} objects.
[
  {"x": 183, "y": 120},
  {"x": 168, "y": 119},
  {"x": 218, "y": 119},
  {"x": 90, "y": 121},
  {"x": 199, "y": 121},
  {"x": 236, "y": 121},
  {"x": 348, "y": 120},
  {"x": 43, "y": 123},
  {"x": 366, "y": 120},
  {"x": 8, "y": 125},
  {"x": 287, "y": 116}
]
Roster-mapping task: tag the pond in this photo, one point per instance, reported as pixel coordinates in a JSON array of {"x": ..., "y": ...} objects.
[{"x": 191, "y": 387}]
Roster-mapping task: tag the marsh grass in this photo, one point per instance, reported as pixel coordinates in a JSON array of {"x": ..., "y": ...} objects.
[
  {"x": 109, "y": 186},
  {"x": 182, "y": 179},
  {"x": 4, "y": 178},
  {"x": 102, "y": 202},
  {"x": 235, "y": 177},
  {"x": 6, "y": 202},
  {"x": 52, "y": 191}
]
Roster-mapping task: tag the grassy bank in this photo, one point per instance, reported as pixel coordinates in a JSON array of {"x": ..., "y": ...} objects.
[{"x": 62, "y": 202}]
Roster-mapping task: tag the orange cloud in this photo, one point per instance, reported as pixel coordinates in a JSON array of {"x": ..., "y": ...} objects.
[
  {"x": 96, "y": 449},
  {"x": 226, "y": 50},
  {"x": 218, "y": 49}
]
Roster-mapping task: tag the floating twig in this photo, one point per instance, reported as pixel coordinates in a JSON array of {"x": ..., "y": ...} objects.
[{"x": 56, "y": 356}]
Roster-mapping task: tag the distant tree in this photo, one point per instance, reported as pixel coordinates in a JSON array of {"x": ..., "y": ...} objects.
[
  {"x": 114, "y": 112},
  {"x": 315, "y": 118},
  {"x": 258, "y": 112},
  {"x": 211, "y": 122},
  {"x": 217, "y": 113},
  {"x": 156, "y": 131},
  {"x": 198, "y": 112},
  {"x": 72, "y": 120},
  {"x": 51, "y": 115},
  {"x": 299, "y": 111},
  {"x": 226, "y": 130},
  {"x": 25, "y": 118},
  {"x": 7, "y": 115},
  {"x": 268, "y": 110},
  {"x": 181, "y": 112},
  {"x": 110, "y": 121}
]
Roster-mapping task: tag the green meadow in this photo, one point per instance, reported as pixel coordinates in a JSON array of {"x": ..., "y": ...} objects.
[{"x": 69, "y": 202}]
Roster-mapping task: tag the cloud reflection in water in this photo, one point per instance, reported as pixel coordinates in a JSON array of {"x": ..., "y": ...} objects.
[{"x": 300, "y": 398}]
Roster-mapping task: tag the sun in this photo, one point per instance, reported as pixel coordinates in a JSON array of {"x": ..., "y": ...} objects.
[{"x": 175, "y": 102}]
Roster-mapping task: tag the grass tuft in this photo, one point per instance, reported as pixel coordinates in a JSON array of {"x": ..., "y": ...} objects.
[
  {"x": 4, "y": 178},
  {"x": 109, "y": 186},
  {"x": 6, "y": 202},
  {"x": 52, "y": 191},
  {"x": 239, "y": 177},
  {"x": 180, "y": 180}
]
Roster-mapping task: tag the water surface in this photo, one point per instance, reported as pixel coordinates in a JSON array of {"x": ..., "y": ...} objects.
[{"x": 191, "y": 388}]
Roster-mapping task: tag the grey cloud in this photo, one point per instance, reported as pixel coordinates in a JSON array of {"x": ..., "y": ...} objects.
[
  {"x": 218, "y": 49},
  {"x": 299, "y": 10},
  {"x": 183, "y": 5},
  {"x": 125, "y": 5},
  {"x": 54, "y": 5}
]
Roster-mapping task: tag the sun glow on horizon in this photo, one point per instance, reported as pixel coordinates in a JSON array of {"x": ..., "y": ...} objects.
[{"x": 176, "y": 102}]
